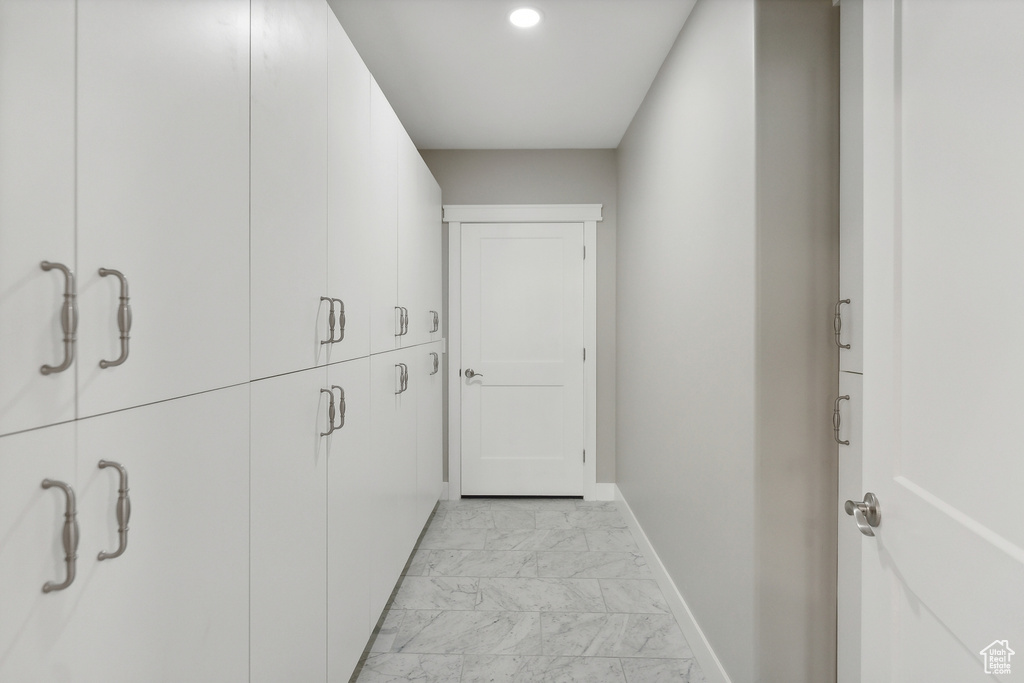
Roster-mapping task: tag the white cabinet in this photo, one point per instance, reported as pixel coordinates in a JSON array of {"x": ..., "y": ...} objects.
[
  {"x": 850, "y": 539},
  {"x": 288, "y": 526},
  {"x": 176, "y": 603},
  {"x": 419, "y": 246},
  {"x": 382, "y": 227},
  {"x": 350, "y": 206},
  {"x": 31, "y": 553},
  {"x": 288, "y": 234},
  {"x": 162, "y": 196},
  {"x": 850, "y": 309},
  {"x": 37, "y": 207},
  {"x": 349, "y": 465},
  {"x": 429, "y": 371}
]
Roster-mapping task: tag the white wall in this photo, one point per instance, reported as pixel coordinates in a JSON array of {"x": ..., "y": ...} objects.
[
  {"x": 727, "y": 272},
  {"x": 686, "y": 322},
  {"x": 556, "y": 176}
]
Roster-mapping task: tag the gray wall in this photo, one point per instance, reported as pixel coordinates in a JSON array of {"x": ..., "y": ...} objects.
[
  {"x": 548, "y": 177},
  {"x": 728, "y": 270}
]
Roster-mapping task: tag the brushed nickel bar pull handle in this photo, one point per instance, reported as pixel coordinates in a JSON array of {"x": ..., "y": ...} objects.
[
  {"x": 69, "y": 536},
  {"x": 68, "y": 318},
  {"x": 403, "y": 378},
  {"x": 341, "y": 321},
  {"x": 837, "y": 323},
  {"x": 405, "y": 321},
  {"x": 437, "y": 362},
  {"x": 342, "y": 406},
  {"x": 837, "y": 421},
  {"x": 124, "y": 510},
  {"x": 437, "y": 322},
  {"x": 331, "y": 410},
  {"x": 124, "y": 317},
  {"x": 330, "y": 321},
  {"x": 401, "y": 321}
]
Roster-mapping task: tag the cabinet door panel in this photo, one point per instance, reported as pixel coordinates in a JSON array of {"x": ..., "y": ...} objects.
[
  {"x": 288, "y": 527},
  {"x": 348, "y": 540},
  {"x": 428, "y": 429},
  {"x": 37, "y": 209},
  {"x": 430, "y": 207},
  {"x": 31, "y": 554},
  {"x": 411, "y": 274},
  {"x": 350, "y": 208},
  {"x": 163, "y": 196},
  {"x": 175, "y": 605},
  {"x": 383, "y": 224},
  {"x": 288, "y": 236}
]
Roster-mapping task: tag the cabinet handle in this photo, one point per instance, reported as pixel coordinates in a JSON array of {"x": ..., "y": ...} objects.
[
  {"x": 68, "y": 318},
  {"x": 341, "y": 409},
  {"x": 403, "y": 378},
  {"x": 401, "y": 321},
  {"x": 330, "y": 321},
  {"x": 124, "y": 510},
  {"x": 124, "y": 317},
  {"x": 341, "y": 322},
  {"x": 405, "y": 321},
  {"x": 69, "y": 537},
  {"x": 437, "y": 322},
  {"x": 330, "y": 412},
  {"x": 437, "y": 362},
  {"x": 837, "y": 323},
  {"x": 837, "y": 420}
]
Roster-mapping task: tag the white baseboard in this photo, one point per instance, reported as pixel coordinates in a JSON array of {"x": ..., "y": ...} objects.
[
  {"x": 604, "y": 491},
  {"x": 714, "y": 672}
]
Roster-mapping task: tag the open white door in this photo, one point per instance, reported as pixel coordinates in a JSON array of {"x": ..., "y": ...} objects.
[
  {"x": 522, "y": 359},
  {"x": 942, "y": 585}
]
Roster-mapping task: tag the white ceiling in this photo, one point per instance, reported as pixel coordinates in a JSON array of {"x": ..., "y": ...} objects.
[{"x": 460, "y": 76}]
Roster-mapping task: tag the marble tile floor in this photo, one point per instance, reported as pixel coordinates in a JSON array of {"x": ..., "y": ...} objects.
[{"x": 528, "y": 591}]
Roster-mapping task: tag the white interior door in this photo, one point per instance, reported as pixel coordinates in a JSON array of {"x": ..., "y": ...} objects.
[
  {"x": 943, "y": 576},
  {"x": 522, "y": 359}
]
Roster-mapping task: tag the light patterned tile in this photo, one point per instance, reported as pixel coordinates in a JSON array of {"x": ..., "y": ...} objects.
[
  {"x": 614, "y": 540},
  {"x": 634, "y": 596},
  {"x": 437, "y": 593},
  {"x": 465, "y": 504},
  {"x": 663, "y": 671},
  {"x": 455, "y": 632},
  {"x": 510, "y": 518},
  {"x": 534, "y": 503},
  {"x": 489, "y": 563},
  {"x": 468, "y": 519},
  {"x": 540, "y": 595},
  {"x": 606, "y": 505},
  {"x": 523, "y": 669},
  {"x": 453, "y": 539},
  {"x": 579, "y": 518},
  {"x": 593, "y": 565},
  {"x": 417, "y": 565},
  {"x": 613, "y": 635},
  {"x": 384, "y": 639},
  {"x": 392, "y": 668},
  {"x": 536, "y": 539}
]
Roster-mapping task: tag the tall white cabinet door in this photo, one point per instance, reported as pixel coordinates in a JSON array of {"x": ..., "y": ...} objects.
[
  {"x": 393, "y": 464},
  {"x": 430, "y": 207},
  {"x": 383, "y": 224},
  {"x": 163, "y": 197},
  {"x": 31, "y": 553},
  {"x": 348, "y": 551},
  {"x": 849, "y": 314},
  {"x": 175, "y": 603},
  {"x": 288, "y": 234},
  {"x": 429, "y": 444},
  {"x": 411, "y": 244},
  {"x": 288, "y": 527},
  {"x": 350, "y": 209},
  {"x": 37, "y": 209}
]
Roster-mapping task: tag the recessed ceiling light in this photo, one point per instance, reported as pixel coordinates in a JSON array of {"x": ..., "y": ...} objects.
[{"x": 524, "y": 17}]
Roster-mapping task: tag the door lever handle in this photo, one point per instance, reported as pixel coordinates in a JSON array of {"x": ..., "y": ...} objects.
[
  {"x": 867, "y": 513},
  {"x": 471, "y": 373}
]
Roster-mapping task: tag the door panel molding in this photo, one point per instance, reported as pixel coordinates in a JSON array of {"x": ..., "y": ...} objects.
[{"x": 455, "y": 216}]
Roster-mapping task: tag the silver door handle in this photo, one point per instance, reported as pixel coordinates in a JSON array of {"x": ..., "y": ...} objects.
[
  {"x": 403, "y": 377},
  {"x": 69, "y": 536},
  {"x": 405, "y": 321},
  {"x": 471, "y": 373},
  {"x": 837, "y": 421},
  {"x": 68, "y": 318},
  {"x": 124, "y": 317},
  {"x": 331, "y": 319},
  {"x": 867, "y": 513},
  {"x": 331, "y": 411},
  {"x": 341, "y": 321},
  {"x": 124, "y": 510},
  {"x": 837, "y": 323},
  {"x": 437, "y": 362},
  {"x": 341, "y": 402},
  {"x": 437, "y": 321},
  {"x": 401, "y": 321}
]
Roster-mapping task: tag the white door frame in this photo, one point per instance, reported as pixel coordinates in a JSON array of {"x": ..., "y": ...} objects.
[{"x": 457, "y": 214}]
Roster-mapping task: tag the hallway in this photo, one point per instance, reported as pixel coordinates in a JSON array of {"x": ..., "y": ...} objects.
[{"x": 528, "y": 591}]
